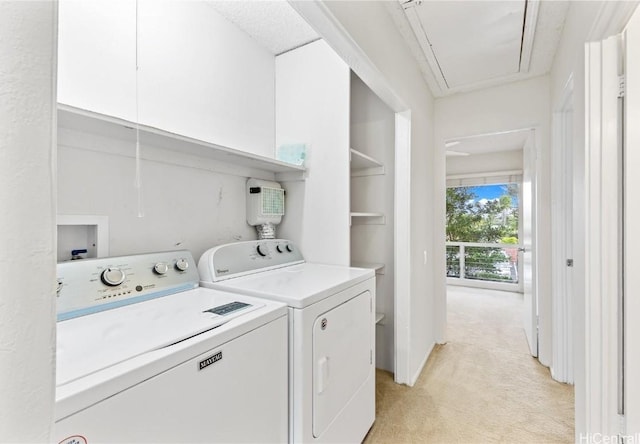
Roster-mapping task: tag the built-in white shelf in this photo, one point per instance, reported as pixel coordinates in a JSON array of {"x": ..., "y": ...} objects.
[
  {"x": 378, "y": 268},
  {"x": 379, "y": 318},
  {"x": 367, "y": 219},
  {"x": 103, "y": 125},
  {"x": 363, "y": 165}
]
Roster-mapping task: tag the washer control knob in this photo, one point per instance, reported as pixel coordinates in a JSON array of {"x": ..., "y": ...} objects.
[
  {"x": 262, "y": 250},
  {"x": 280, "y": 248},
  {"x": 182, "y": 264},
  {"x": 113, "y": 277},
  {"x": 161, "y": 268},
  {"x": 290, "y": 248}
]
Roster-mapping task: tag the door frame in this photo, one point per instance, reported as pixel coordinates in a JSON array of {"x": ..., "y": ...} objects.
[
  {"x": 562, "y": 208},
  {"x": 533, "y": 308},
  {"x": 602, "y": 178},
  {"x": 402, "y": 257},
  {"x": 631, "y": 236},
  {"x": 596, "y": 380},
  {"x": 322, "y": 20},
  {"x": 541, "y": 302}
]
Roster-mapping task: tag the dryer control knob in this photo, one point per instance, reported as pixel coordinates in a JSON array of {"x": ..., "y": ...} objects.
[
  {"x": 182, "y": 264},
  {"x": 290, "y": 248},
  {"x": 262, "y": 250},
  {"x": 280, "y": 248},
  {"x": 161, "y": 268},
  {"x": 113, "y": 277}
]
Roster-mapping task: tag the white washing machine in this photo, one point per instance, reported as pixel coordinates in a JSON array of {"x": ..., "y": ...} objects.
[
  {"x": 331, "y": 332},
  {"x": 145, "y": 355}
]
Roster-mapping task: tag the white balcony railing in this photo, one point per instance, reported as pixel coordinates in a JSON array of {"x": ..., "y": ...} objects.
[{"x": 492, "y": 262}]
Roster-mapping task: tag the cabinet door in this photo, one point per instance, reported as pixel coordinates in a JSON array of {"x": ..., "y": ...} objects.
[
  {"x": 201, "y": 76},
  {"x": 198, "y": 74},
  {"x": 97, "y": 56}
]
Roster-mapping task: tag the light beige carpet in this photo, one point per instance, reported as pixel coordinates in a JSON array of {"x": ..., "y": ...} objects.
[{"x": 481, "y": 387}]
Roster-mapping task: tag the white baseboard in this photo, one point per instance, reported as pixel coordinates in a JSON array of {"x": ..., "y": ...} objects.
[{"x": 416, "y": 375}]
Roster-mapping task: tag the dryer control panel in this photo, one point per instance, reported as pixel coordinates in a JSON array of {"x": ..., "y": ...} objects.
[
  {"x": 92, "y": 285},
  {"x": 242, "y": 258}
]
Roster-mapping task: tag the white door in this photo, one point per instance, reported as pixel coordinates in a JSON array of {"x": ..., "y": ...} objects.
[
  {"x": 342, "y": 358},
  {"x": 530, "y": 314}
]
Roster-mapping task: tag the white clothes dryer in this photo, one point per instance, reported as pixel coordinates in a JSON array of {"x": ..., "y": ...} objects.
[
  {"x": 331, "y": 332},
  {"x": 146, "y": 355}
]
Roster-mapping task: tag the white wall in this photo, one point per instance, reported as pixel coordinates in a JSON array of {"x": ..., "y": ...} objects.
[
  {"x": 485, "y": 163},
  {"x": 27, "y": 226},
  {"x": 373, "y": 133},
  {"x": 508, "y": 107},
  {"x": 373, "y": 30},
  {"x": 188, "y": 202},
  {"x": 199, "y": 75},
  {"x": 312, "y": 97}
]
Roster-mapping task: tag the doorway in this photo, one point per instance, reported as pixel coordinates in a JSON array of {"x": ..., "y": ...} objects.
[{"x": 506, "y": 157}]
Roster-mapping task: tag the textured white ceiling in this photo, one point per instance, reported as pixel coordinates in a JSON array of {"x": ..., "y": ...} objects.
[
  {"x": 475, "y": 44},
  {"x": 272, "y": 23}
]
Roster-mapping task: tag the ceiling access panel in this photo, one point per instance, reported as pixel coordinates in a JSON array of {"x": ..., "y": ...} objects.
[{"x": 472, "y": 41}]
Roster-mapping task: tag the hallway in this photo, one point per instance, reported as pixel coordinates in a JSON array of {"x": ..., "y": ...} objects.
[{"x": 482, "y": 386}]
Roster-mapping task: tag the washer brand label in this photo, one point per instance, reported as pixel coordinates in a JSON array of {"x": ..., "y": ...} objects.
[
  {"x": 75, "y": 439},
  {"x": 210, "y": 360},
  {"x": 222, "y": 270}
]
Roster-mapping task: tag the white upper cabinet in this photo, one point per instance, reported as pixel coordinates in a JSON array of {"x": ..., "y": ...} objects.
[
  {"x": 198, "y": 74},
  {"x": 203, "y": 77},
  {"x": 97, "y": 56}
]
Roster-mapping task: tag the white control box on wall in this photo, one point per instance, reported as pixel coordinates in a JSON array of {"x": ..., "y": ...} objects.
[
  {"x": 82, "y": 236},
  {"x": 265, "y": 202}
]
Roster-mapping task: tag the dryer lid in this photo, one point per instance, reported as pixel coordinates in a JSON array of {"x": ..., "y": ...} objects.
[{"x": 297, "y": 285}]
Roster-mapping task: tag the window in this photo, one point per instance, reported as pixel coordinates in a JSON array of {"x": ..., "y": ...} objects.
[{"x": 477, "y": 218}]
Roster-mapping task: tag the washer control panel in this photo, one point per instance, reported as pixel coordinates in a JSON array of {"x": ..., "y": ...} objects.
[
  {"x": 90, "y": 285},
  {"x": 241, "y": 258}
]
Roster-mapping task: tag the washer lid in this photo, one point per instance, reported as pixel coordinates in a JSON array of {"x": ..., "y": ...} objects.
[
  {"x": 91, "y": 343},
  {"x": 298, "y": 285}
]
